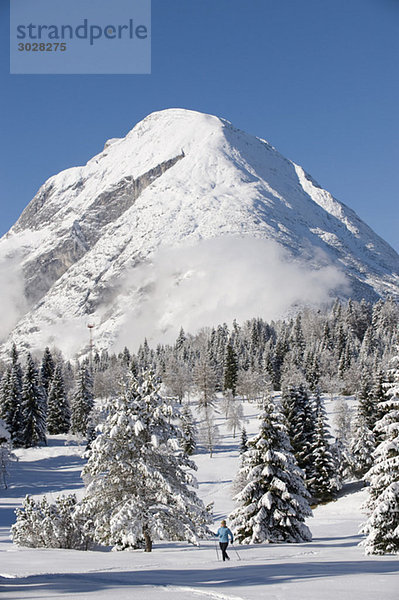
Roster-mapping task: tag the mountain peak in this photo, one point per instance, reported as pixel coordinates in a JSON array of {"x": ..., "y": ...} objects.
[{"x": 179, "y": 180}]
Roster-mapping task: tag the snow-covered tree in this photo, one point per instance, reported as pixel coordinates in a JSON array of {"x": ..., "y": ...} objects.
[
  {"x": 138, "y": 478},
  {"x": 208, "y": 431},
  {"x": 82, "y": 402},
  {"x": 41, "y": 524},
  {"x": 299, "y": 417},
  {"x": 68, "y": 376},
  {"x": 253, "y": 385},
  {"x": 189, "y": 431},
  {"x": 177, "y": 378},
  {"x": 379, "y": 394},
  {"x": 367, "y": 406},
  {"x": 312, "y": 370},
  {"x": 343, "y": 423},
  {"x": 243, "y": 441},
  {"x": 226, "y": 403},
  {"x": 6, "y": 454},
  {"x": 230, "y": 369},
  {"x": 10, "y": 398},
  {"x": 33, "y": 411},
  {"x": 361, "y": 448},
  {"x": 324, "y": 481},
  {"x": 205, "y": 381},
  {"x": 235, "y": 416},
  {"x": 47, "y": 370},
  {"x": 180, "y": 340},
  {"x": 107, "y": 382},
  {"x": 292, "y": 376},
  {"x": 382, "y": 526},
  {"x": 273, "y": 502},
  {"x": 126, "y": 358},
  {"x": 58, "y": 410}
]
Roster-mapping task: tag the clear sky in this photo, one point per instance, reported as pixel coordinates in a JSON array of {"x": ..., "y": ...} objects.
[{"x": 319, "y": 79}]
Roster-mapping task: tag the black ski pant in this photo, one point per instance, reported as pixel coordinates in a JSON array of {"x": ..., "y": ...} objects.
[{"x": 223, "y": 547}]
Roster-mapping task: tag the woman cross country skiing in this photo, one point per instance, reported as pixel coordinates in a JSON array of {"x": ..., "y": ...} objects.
[{"x": 224, "y": 534}]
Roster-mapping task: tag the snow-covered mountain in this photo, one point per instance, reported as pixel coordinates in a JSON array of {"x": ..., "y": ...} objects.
[{"x": 183, "y": 221}]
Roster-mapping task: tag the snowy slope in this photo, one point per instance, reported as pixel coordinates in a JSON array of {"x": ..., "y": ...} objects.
[
  {"x": 179, "y": 178},
  {"x": 331, "y": 565}
]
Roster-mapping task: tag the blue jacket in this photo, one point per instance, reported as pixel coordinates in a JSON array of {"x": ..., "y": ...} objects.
[{"x": 224, "y": 534}]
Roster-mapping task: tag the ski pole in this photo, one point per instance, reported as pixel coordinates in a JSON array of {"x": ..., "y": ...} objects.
[
  {"x": 236, "y": 551},
  {"x": 217, "y": 551}
]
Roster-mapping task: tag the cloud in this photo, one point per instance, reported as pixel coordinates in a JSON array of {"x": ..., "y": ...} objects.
[
  {"x": 216, "y": 281},
  {"x": 193, "y": 286},
  {"x": 13, "y": 302}
]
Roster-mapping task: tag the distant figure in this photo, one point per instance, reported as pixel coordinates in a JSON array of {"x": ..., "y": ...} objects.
[{"x": 224, "y": 534}]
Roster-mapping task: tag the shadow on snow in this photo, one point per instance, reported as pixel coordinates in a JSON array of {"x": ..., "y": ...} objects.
[
  {"x": 44, "y": 476},
  {"x": 239, "y": 576}
]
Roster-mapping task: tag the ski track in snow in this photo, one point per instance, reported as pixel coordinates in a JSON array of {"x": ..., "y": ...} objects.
[
  {"x": 331, "y": 565},
  {"x": 202, "y": 593}
]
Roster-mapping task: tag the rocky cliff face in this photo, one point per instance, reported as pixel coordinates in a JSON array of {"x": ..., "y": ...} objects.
[
  {"x": 72, "y": 243},
  {"x": 177, "y": 179}
]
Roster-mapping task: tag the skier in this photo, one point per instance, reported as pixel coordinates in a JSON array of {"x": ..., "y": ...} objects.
[{"x": 224, "y": 534}]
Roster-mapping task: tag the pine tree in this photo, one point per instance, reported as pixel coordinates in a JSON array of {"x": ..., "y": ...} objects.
[
  {"x": 230, "y": 369},
  {"x": 138, "y": 482},
  {"x": 378, "y": 392},
  {"x": 382, "y": 526},
  {"x": 188, "y": 440},
  {"x": 6, "y": 454},
  {"x": 280, "y": 352},
  {"x": 324, "y": 482},
  {"x": 181, "y": 338},
  {"x": 300, "y": 421},
  {"x": 33, "y": 412},
  {"x": 367, "y": 408},
  {"x": 82, "y": 402},
  {"x": 368, "y": 344},
  {"x": 273, "y": 504},
  {"x": 126, "y": 357},
  {"x": 10, "y": 398},
  {"x": 68, "y": 375},
  {"x": 47, "y": 370},
  {"x": 326, "y": 343},
  {"x": 312, "y": 370},
  {"x": 345, "y": 360},
  {"x": 58, "y": 410},
  {"x": 297, "y": 342},
  {"x": 343, "y": 422},
  {"x": 244, "y": 441},
  {"x": 361, "y": 447}
]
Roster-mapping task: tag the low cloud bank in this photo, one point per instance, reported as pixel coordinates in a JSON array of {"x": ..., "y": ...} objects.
[
  {"x": 216, "y": 281},
  {"x": 201, "y": 285},
  {"x": 13, "y": 303}
]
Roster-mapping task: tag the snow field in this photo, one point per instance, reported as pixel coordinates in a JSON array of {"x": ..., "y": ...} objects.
[{"x": 331, "y": 565}]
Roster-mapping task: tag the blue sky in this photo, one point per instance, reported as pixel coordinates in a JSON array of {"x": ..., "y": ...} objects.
[{"x": 317, "y": 79}]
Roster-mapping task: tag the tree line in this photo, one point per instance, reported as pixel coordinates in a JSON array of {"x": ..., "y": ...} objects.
[{"x": 293, "y": 461}]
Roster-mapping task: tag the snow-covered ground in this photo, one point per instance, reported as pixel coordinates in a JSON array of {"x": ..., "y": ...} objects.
[{"x": 330, "y": 566}]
